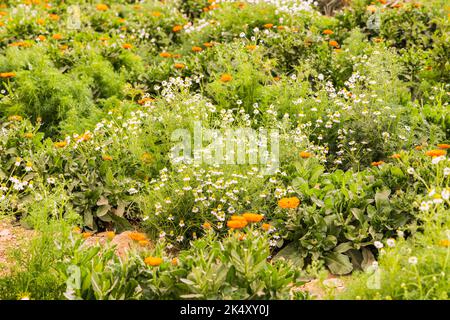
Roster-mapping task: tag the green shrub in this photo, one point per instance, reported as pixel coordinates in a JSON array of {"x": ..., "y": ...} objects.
[{"x": 412, "y": 269}]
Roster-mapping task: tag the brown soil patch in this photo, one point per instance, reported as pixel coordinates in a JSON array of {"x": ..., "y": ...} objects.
[
  {"x": 12, "y": 236},
  {"x": 122, "y": 241},
  {"x": 319, "y": 290}
]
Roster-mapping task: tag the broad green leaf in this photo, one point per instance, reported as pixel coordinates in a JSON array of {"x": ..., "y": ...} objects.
[
  {"x": 343, "y": 247},
  {"x": 102, "y": 201},
  {"x": 292, "y": 253},
  {"x": 103, "y": 210},
  {"x": 358, "y": 214},
  {"x": 368, "y": 258},
  {"x": 338, "y": 263},
  {"x": 382, "y": 197}
]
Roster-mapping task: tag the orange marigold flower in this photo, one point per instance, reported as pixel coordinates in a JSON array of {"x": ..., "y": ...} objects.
[
  {"x": 333, "y": 43},
  {"x": 179, "y": 66},
  {"x": 378, "y": 40},
  {"x": 237, "y": 218},
  {"x": 165, "y": 54},
  {"x": 328, "y": 32},
  {"x": 15, "y": 117},
  {"x": 266, "y": 226},
  {"x": 40, "y": 21},
  {"x": 106, "y": 157},
  {"x": 28, "y": 135},
  {"x": 86, "y": 235},
  {"x": 174, "y": 261},
  {"x": 289, "y": 203},
  {"x": 305, "y": 154},
  {"x": 153, "y": 261},
  {"x": 177, "y": 28},
  {"x": 371, "y": 9},
  {"x": 144, "y": 243},
  {"x": 146, "y": 157},
  {"x": 60, "y": 144},
  {"x": 226, "y": 77},
  {"x": 206, "y": 225},
  {"x": 84, "y": 137},
  {"x": 7, "y": 75},
  {"x": 418, "y": 148},
  {"x": 137, "y": 236},
  {"x": 20, "y": 44},
  {"x": 76, "y": 229},
  {"x": 127, "y": 46},
  {"x": 156, "y": 14},
  {"x": 268, "y": 25},
  {"x": 396, "y": 156},
  {"x": 110, "y": 235},
  {"x": 444, "y": 243},
  {"x": 54, "y": 17},
  {"x": 208, "y": 44},
  {"x": 377, "y": 163},
  {"x": 250, "y": 47},
  {"x": 41, "y": 38},
  {"x": 101, "y": 7},
  {"x": 443, "y": 146},
  {"x": 197, "y": 49},
  {"x": 145, "y": 100},
  {"x": 236, "y": 224},
  {"x": 253, "y": 217},
  {"x": 436, "y": 153}
]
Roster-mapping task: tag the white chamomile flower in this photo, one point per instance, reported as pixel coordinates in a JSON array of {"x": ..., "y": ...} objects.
[
  {"x": 390, "y": 242},
  {"x": 412, "y": 260},
  {"x": 132, "y": 191},
  {"x": 436, "y": 160},
  {"x": 378, "y": 244},
  {"x": 446, "y": 171},
  {"x": 445, "y": 194},
  {"x": 424, "y": 206}
]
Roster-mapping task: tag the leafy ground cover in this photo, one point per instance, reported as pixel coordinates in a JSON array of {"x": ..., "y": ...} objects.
[{"x": 97, "y": 100}]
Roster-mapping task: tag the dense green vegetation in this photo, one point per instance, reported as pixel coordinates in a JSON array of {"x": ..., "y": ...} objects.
[{"x": 93, "y": 93}]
